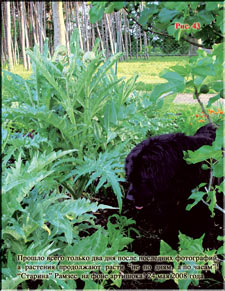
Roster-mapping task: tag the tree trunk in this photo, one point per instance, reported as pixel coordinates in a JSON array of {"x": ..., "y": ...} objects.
[
  {"x": 140, "y": 44},
  {"x": 32, "y": 22},
  {"x": 26, "y": 36},
  {"x": 44, "y": 18},
  {"x": 66, "y": 7},
  {"x": 125, "y": 35},
  {"x": 59, "y": 26},
  {"x": 106, "y": 36},
  {"x": 110, "y": 34},
  {"x": 92, "y": 35},
  {"x": 145, "y": 45},
  {"x": 3, "y": 38},
  {"x": 129, "y": 38},
  {"x": 137, "y": 42},
  {"x": 100, "y": 37},
  {"x": 16, "y": 60},
  {"x": 86, "y": 25},
  {"x": 8, "y": 35},
  {"x": 39, "y": 31},
  {"x": 78, "y": 24},
  {"x": 22, "y": 13}
]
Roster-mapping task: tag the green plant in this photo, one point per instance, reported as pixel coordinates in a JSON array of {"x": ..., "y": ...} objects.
[
  {"x": 204, "y": 69},
  {"x": 71, "y": 102},
  {"x": 106, "y": 168},
  {"x": 123, "y": 224},
  {"x": 214, "y": 161},
  {"x": 190, "y": 261}
]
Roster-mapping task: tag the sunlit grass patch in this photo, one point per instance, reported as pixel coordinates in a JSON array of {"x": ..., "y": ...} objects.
[
  {"x": 149, "y": 70},
  {"x": 20, "y": 70}
]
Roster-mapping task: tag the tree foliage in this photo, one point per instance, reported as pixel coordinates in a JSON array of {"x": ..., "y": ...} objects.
[{"x": 205, "y": 19}]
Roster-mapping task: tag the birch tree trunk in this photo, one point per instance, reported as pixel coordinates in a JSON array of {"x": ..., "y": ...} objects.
[
  {"x": 86, "y": 25},
  {"x": 78, "y": 24},
  {"x": 26, "y": 36},
  {"x": 32, "y": 22},
  {"x": 110, "y": 34},
  {"x": 22, "y": 14},
  {"x": 125, "y": 34},
  {"x": 106, "y": 36},
  {"x": 140, "y": 43},
  {"x": 93, "y": 35},
  {"x": 8, "y": 35},
  {"x": 66, "y": 7},
  {"x": 145, "y": 45},
  {"x": 137, "y": 42},
  {"x": 129, "y": 38},
  {"x": 3, "y": 38},
  {"x": 59, "y": 26},
  {"x": 100, "y": 37}
]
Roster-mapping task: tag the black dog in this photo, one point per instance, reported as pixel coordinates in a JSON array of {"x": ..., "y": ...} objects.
[{"x": 158, "y": 176}]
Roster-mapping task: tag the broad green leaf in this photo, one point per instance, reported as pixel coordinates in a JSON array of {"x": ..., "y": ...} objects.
[
  {"x": 175, "y": 80},
  {"x": 211, "y": 6},
  {"x": 220, "y": 133},
  {"x": 159, "y": 90},
  {"x": 114, "y": 6},
  {"x": 146, "y": 14},
  {"x": 166, "y": 15},
  {"x": 181, "y": 70},
  {"x": 218, "y": 169},
  {"x": 204, "y": 70},
  {"x": 205, "y": 17},
  {"x": 165, "y": 249},
  {"x": 97, "y": 11},
  {"x": 202, "y": 154},
  {"x": 190, "y": 246},
  {"x": 197, "y": 196}
]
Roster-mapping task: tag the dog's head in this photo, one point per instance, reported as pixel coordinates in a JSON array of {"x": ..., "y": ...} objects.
[
  {"x": 148, "y": 169},
  {"x": 208, "y": 130}
]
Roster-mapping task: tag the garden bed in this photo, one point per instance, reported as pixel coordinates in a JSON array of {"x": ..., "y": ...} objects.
[{"x": 148, "y": 244}]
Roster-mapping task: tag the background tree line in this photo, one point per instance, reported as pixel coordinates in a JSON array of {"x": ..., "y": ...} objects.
[{"x": 25, "y": 24}]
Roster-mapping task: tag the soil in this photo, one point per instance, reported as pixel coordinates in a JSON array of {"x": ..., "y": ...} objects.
[{"x": 148, "y": 244}]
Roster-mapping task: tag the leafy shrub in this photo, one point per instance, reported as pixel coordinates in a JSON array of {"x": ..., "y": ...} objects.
[
  {"x": 204, "y": 69},
  {"x": 189, "y": 271},
  {"x": 76, "y": 102},
  {"x": 214, "y": 160},
  {"x": 55, "y": 124},
  {"x": 70, "y": 102},
  {"x": 37, "y": 221}
]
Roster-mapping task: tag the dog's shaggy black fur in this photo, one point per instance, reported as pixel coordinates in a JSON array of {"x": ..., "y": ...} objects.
[{"x": 158, "y": 176}]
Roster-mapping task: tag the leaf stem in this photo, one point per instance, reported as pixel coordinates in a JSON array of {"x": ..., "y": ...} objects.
[{"x": 201, "y": 104}]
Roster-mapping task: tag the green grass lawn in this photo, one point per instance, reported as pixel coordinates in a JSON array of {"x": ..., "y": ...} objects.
[
  {"x": 20, "y": 70},
  {"x": 149, "y": 70}
]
